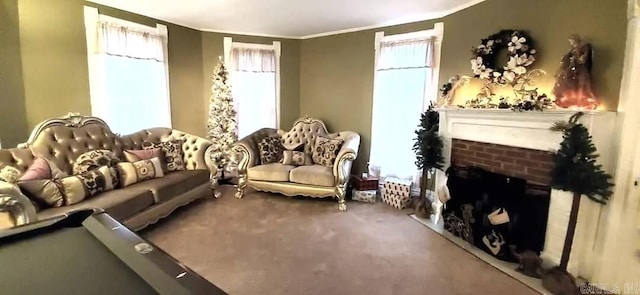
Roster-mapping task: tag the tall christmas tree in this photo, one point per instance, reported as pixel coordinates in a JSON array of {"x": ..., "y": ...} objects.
[
  {"x": 221, "y": 125},
  {"x": 428, "y": 149},
  {"x": 576, "y": 171}
]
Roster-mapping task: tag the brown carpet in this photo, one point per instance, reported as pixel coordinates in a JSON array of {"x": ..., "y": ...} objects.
[{"x": 271, "y": 244}]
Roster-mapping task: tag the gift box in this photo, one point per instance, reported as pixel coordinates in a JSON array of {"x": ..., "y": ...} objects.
[
  {"x": 396, "y": 192},
  {"x": 397, "y": 186},
  {"x": 365, "y": 183},
  {"x": 396, "y": 201},
  {"x": 368, "y": 196}
]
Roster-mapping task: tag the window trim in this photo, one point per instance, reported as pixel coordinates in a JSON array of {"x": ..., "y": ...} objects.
[
  {"x": 438, "y": 32},
  {"x": 91, "y": 18},
  {"x": 275, "y": 46}
]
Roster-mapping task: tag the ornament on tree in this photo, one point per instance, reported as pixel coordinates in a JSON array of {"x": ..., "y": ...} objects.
[{"x": 221, "y": 125}]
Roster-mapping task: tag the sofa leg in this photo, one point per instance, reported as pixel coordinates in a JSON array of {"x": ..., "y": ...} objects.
[
  {"x": 242, "y": 184},
  {"x": 341, "y": 193},
  {"x": 342, "y": 206},
  {"x": 214, "y": 188}
]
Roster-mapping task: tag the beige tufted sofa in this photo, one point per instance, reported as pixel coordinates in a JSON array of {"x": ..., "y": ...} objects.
[
  {"x": 312, "y": 181},
  {"x": 62, "y": 140}
]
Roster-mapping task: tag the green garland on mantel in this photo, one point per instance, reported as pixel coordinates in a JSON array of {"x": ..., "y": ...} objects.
[
  {"x": 530, "y": 100},
  {"x": 538, "y": 103}
]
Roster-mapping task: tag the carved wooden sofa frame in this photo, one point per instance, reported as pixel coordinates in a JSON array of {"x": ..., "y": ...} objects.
[
  {"x": 304, "y": 132},
  {"x": 98, "y": 135}
]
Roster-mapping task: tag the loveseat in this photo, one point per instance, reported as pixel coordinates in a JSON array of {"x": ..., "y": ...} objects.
[
  {"x": 61, "y": 140},
  {"x": 312, "y": 180}
]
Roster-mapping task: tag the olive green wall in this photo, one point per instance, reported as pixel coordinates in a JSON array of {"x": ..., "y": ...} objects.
[
  {"x": 185, "y": 64},
  {"x": 336, "y": 73},
  {"x": 56, "y": 81},
  {"x": 213, "y": 47},
  {"x": 54, "y": 58},
  {"x": 13, "y": 122}
]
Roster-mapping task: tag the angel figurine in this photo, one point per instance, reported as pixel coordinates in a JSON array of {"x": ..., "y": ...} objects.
[{"x": 573, "y": 87}]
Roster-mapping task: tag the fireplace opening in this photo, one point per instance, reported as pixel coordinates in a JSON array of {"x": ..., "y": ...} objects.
[{"x": 499, "y": 197}]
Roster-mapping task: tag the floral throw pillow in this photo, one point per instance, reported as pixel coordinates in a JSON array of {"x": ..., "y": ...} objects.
[
  {"x": 296, "y": 158},
  {"x": 9, "y": 174},
  {"x": 270, "y": 150},
  {"x": 97, "y": 180},
  {"x": 325, "y": 151},
  {"x": 172, "y": 152},
  {"x": 92, "y": 160}
]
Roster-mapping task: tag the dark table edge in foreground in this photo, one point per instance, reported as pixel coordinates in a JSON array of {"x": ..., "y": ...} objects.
[{"x": 161, "y": 271}]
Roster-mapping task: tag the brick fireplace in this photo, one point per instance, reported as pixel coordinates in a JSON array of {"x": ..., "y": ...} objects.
[
  {"x": 519, "y": 144},
  {"x": 529, "y": 164}
]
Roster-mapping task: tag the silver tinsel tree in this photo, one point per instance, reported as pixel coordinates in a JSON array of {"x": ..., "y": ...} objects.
[{"x": 221, "y": 125}]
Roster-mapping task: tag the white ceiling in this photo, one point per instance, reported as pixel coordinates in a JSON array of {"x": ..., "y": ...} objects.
[{"x": 289, "y": 18}]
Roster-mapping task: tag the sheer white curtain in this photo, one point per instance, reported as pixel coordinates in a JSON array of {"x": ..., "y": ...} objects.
[
  {"x": 401, "y": 89},
  {"x": 253, "y": 81},
  {"x": 129, "y": 77}
]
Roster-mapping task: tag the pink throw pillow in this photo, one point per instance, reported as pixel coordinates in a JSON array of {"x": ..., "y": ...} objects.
[
  {"x": 42, "y": 169},
  {"x": 139, "y": 155}
]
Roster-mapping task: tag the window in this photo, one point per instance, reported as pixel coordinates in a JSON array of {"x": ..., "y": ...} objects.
[
  {"x": 128, "y": 73},
  {"x": 255, "y": 84},
  {"x": 405, "y": 83}
]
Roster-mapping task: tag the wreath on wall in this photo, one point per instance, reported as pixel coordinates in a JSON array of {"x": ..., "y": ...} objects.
[{"x": 521, "y": 56}]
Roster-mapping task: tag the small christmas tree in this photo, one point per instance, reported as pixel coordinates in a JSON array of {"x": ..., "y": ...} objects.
[
  {"x": 221, "y": 125},
  {"x": 576, "y": 171},
  {"x": 428, "y": 149}
]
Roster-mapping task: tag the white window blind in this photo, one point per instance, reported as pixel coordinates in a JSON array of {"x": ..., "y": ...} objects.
[
  {"x": 128, "y": 73},
  {"x": 255, "y": 85},
  {"x": 404, "y": 85}
]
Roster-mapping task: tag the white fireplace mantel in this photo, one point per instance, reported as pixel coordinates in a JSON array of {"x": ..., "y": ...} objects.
[
  {"x": 520, "y": 129},
  {"x": 530, "y": 130}
]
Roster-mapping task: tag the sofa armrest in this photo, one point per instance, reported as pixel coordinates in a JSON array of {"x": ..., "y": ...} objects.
[
  {"x": 346, "y": 156},
  {"x": 247, "y": 148},
  {"x": 16, "y": 204}
]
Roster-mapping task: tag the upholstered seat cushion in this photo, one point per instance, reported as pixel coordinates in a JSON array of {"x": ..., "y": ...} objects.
[
  {"x": 119, "y": 203},
  {"x": 313, "y": 174},
  {"x": 270, "y": 172},
  {"x": 173, "y": 184}
]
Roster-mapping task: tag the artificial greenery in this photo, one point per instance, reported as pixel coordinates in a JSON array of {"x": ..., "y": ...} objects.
[
  {"x": 576, "y": 169},
  {"x": 428, "y": 144},
  {"x": 529, "y": 103},
  {"x": 428, "y": 149},
  {"x": 484, "y": 61},
  {"x": 446, "y": 87},
  {"x": 221, "y": 125}
]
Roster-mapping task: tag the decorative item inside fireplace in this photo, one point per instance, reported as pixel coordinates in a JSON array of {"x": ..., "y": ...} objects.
[{"x": 502, "y": 215}]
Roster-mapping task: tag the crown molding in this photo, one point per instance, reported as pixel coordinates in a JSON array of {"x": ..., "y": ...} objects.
[
  {"x": 247, "y": 34},
  {"x": 399, "y": 22},
  {"x": 337, "y": 32}
]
